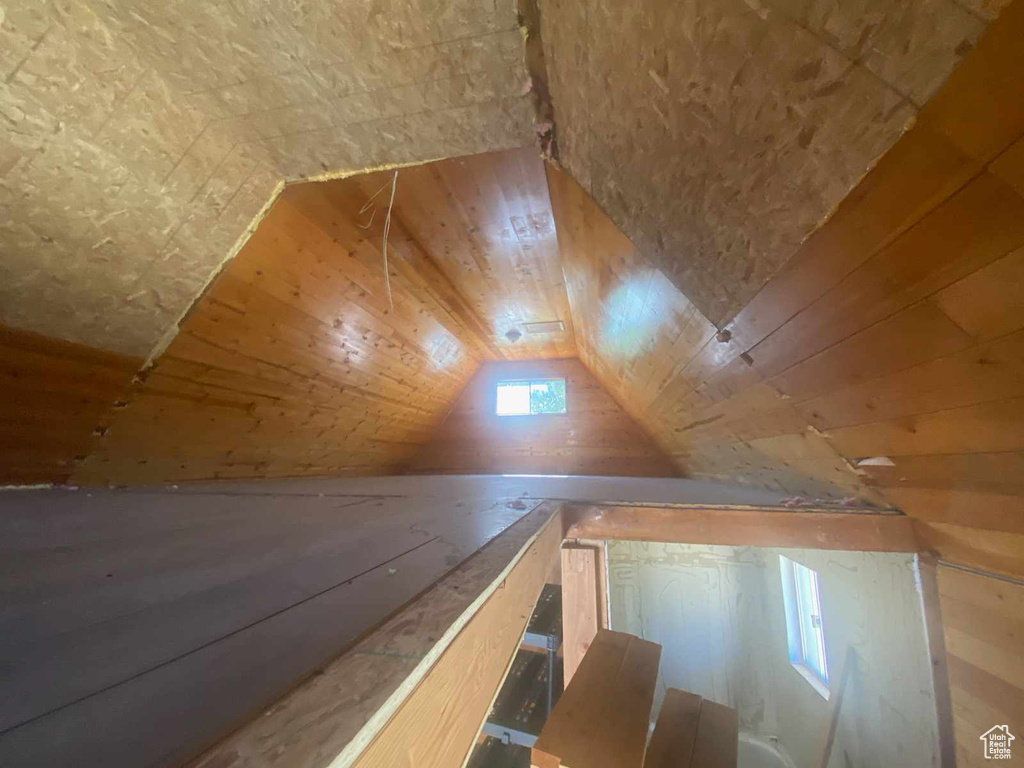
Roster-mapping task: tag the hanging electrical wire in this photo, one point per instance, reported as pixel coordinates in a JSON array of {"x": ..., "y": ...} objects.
[
  {"x": 387, "y": 228},
  {"x": 384, "y": 244},
  {"x": 369, "y": 203}
]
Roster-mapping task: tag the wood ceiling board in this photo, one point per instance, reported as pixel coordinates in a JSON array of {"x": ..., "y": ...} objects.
[
  {"x": 336, "y": 208},
  {"x": 143, "y": 142},
  {"x": 916, "y": 335},
  {"x": 974, "y": 509},
  {"x": 486, "y": 222},
  {"x": 985, "y": 428},
  {"x": 989, "y": 302},
  {"x": 643, "y": 340},
  {"x": 473, "y": 235},
  {"x": 979, "y": 374},
  {"x": 976, "y": 226},
  {"x": 988, "y": 551},
  {"x": 57, "y": 398},
  {"x": 293, "y": 363},
  {"x": 629, "y": 319},
  {"x": 917, "y": 174},
  {"x": 998, "y": 472}
]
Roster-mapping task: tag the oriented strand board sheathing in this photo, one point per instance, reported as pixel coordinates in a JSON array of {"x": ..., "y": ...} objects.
[
  {"x": 885, "y": 361},
  {"x": 718, "y": 135},
  {"x": 139, "y": 143}
]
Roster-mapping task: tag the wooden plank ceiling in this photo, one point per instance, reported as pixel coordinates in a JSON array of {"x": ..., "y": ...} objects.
[
  {"x": 57, "y": 402},
  {"x": 295, "y": 362},
  {"x": 895, "y": 333}
]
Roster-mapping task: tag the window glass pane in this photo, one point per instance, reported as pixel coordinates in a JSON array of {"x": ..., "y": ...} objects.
[
  {"x": 547, "y": 396},
  {"x": 513, "y": 398},
  {"x": 819, "y": 629},
  {"x": 808, "y": 604}
]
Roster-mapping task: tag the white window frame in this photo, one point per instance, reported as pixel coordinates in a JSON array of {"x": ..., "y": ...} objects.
[
  {"x": 805, "y": 625},
  {"x": 528, "y": 383}
]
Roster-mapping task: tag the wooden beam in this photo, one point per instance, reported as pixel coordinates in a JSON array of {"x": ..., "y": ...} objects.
[
  {"x": 438, "y": 723},
  {"x": 601, "y": 721},
  {"x": 747, "y": 526},
  {"x": 382, "y": 701},
  {"x": 581, "y": 603}
]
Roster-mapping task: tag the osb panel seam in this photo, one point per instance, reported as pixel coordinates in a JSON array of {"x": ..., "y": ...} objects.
[
  {"x": 142, "y": 145},
  {"x": 718, "y": 137}
]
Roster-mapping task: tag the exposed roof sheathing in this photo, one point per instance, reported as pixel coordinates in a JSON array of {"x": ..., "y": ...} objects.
[
  {"x": 140, "y": 140},
  {"x": 717, "y": 135}
]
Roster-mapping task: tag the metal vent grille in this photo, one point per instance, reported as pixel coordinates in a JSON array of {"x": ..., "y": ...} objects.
[{"x": 549, "y": 326}]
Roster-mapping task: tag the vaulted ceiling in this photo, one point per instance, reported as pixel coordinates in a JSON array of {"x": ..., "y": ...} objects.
[
  {"x": 302, "y": 358},
  {"x": 143, "y": 139},
  {"x": 699, "y": 247}
]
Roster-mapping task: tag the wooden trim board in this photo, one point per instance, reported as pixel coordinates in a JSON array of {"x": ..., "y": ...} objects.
[
  {"x": 581, "y": 604},
  {"x": 857, "y": 531},
  {"x": 601, "y": 546},
  {"x": 437, "y": 724},
  {"x": 365, "y": 697}
]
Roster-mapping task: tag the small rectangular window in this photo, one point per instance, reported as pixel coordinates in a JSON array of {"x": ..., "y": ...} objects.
[
  {"x": 805, "y": 630},
  {"x": 527, "y": 398}
]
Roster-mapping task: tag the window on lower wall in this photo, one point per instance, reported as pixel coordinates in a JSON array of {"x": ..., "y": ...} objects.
[
  {"x": 531, "y": 397},
  {"x": 805, "y": 631}
]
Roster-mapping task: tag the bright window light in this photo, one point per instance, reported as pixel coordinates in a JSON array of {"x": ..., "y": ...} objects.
[
  {"x": 805, "y": 630},
  {"x": 527, "y": 398}
]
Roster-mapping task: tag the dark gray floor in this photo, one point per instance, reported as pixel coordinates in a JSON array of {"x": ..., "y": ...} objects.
[{"x": 137, "y": 626}]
